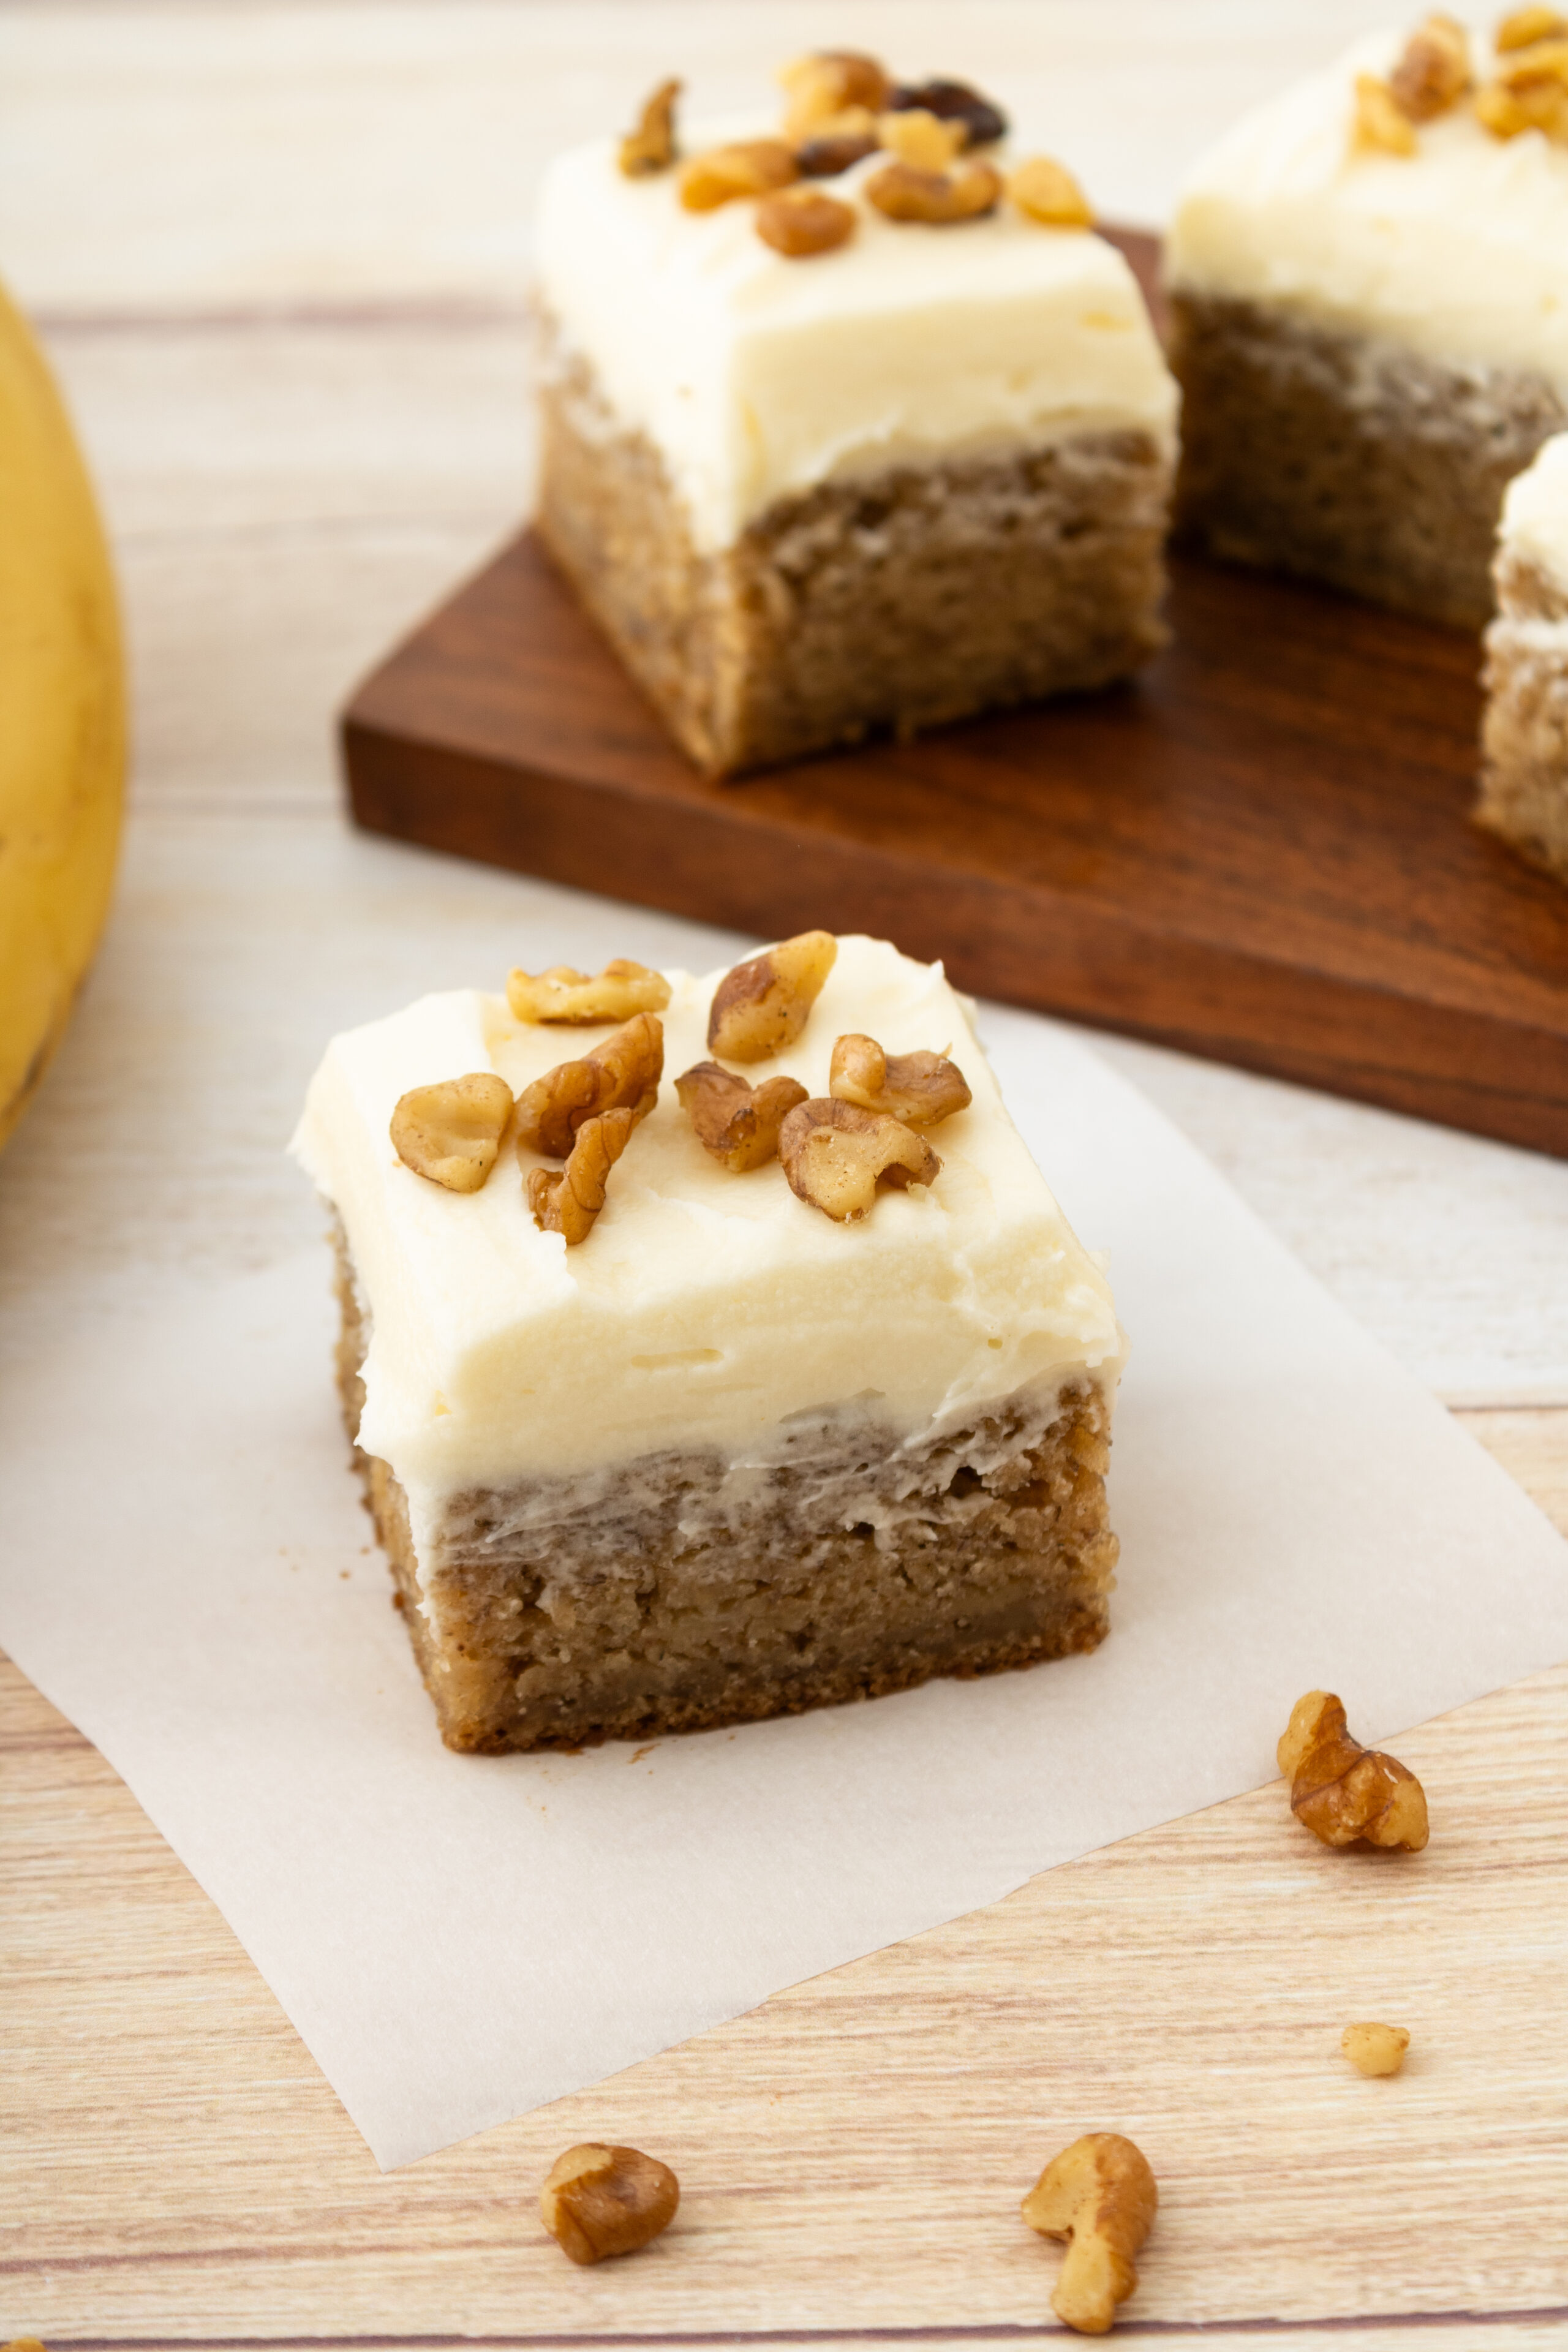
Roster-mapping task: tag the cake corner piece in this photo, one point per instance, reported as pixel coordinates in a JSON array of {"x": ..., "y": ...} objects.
[
  {"x": 768, "y": 1437},
  {"x": 1523, "y": 796}
]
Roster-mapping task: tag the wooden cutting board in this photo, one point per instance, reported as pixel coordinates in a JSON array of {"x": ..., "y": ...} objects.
[{"x": 1259, "y": 851}]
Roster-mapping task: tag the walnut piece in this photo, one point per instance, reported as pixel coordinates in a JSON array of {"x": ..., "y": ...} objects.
[
  {"x": 800, "y": 222},
  {"x": 651, "y": 147},
  {"x": 919, "y": 1088},
  {"x": 451, "y": 1132},
  {"x": 622, "y": 1073},
  {"x": 827, "y": 153},
  {"x": 737, "y": 1122},
  {"x": 924, "y": 140},
  {"x": 1538, "y": 104},
  {"x": 750, "y": 167},
  {"x": 937, "y": 198},
  {"x": 1378, "y": 127},
  {"x": 834, "y": 1156},
  {"x": 1098, "y": 2194},
  {"x": 1375, "y": 2049},
  {"x": 954, "y": 101},
  {"x": 828, "y": 83},
  {"x": 561, "y": 995},
  {"x": 1046, "y": 191},
  {"x": 1343, "y": 1791},
  {"x": 606, "y": 2200},
  {"x": 1434, "y": 72},
  {"x": 1528, "y": 26},
  {"x": 567, "y": 1199},
  {"x": 763, "y": 1005}
]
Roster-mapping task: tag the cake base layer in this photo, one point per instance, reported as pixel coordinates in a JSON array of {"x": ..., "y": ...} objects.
[
  {"x": 1339, "y": 457},
  {"x": 902, "y": 600},
  {"x": 1524, "y": 736},
  {"x": 666, "y": 1596}
]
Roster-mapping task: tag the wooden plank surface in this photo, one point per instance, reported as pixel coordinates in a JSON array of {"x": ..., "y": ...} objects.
[{"x": 173, "y": 2170}]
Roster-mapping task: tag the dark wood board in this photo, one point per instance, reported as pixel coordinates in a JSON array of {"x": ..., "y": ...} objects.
[{"x": 1259, "y": 851}]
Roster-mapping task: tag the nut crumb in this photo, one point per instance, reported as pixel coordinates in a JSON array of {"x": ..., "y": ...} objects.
[
  {"x": 922, "y": 1089},
  {"x": 1101, "y": 2195},
  {"x": 622, "y": 1072},
  {"x": 1342, "y": 1791},
  {"x": 954, "y": 101},
  {"x": 567, "y": 1201},
  {"x": 1526, "y": 27},
  {"x": 828, "y": 83},
  {"x": 561, "y": 995},
  {"x": 762, "y": 1006},
  {"x": 800, "y": 222},
  {"x": 1375, "y": 2049},
  {"x": 749, "y": 167},
  {"x": 606, "y": 2200},
  {"x": 451, "y": 1132},
  {"x": 1378, "y": 127},
  {"x": 737, "y": 1122},
  {"x": 1433, "y": 71},
  {"x": 937, "y": 198},
  {"x": 651, "y": 147},
  {"x": 834, "y": 1156},
  {"x": 922, "y": 139},
  {"x": 1045, "y": 191}
]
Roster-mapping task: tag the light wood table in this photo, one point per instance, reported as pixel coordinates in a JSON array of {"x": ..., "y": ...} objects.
[{"x": 276, "y": 251}]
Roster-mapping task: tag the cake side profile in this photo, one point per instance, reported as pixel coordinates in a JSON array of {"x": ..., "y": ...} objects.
[
  {"x": 1369, "y": 286},
  {"x": 1524, "y": 736},
  {"x": 816, "y": 1406},
  {"x": 808, "y": 494}
]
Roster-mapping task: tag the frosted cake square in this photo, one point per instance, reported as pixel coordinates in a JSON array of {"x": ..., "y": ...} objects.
[
  {"x": 1524, "y": 784},
  {"x": 1369, "y": 287},
  {"x": 849, "y": 422},
  {"x": 678, "y": 1403}
]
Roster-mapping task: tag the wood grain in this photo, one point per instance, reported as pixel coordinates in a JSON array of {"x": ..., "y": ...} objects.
[
  {"x": 1259, "y": 851},
  {"x": 173, "y": 2170}
]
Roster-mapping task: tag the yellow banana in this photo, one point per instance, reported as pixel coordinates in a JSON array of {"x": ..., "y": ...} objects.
[{"x": 62, "y": 718}]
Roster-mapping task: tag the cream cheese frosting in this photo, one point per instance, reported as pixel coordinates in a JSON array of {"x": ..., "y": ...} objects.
[
  {"x": 1535, "y": 513},
  {"x": 756, "y": 377},
  {"x": 1459, "y": 251},
  {"x": 705, "y": 1309}
]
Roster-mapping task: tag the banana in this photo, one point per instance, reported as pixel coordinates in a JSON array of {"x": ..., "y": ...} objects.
[{"x": 62, "y": 718}]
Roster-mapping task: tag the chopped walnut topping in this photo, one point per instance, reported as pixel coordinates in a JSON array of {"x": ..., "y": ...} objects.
[
  {"x": 737, "y": 1122},
  {"x": 922, "y": 1089},
  {"x": 606, "y": 2200},
  {"x": 451, "y": 1132},
  {"x": 1528, "y": 26},
  {"x": 763, "y": 1004},
  {"x": 954, "y": 101},
  {"x": 1434, "y": 72},
  {"x": 1378, "y": 127},
  {"x": 1046, "y": 191},
  {"x": 938, "y": 198},
  {"x": 567, "y": 1199},
  {"x": 1375, "y": 2049},
  {"x": 827, "y": 153},
  {"x": 564, "y": 995},
  {"x": 1343, "y": 1791},
  {"x": 651, "y": 146},
  {"x": 751, "y": 167},
  {"x": 824, "y": 84},
  {"x": 836, "y": 1155},
  {"x": 1538, "y": 104},
  {"x": 921, "y": 139},
  {"x": 800, "y": 222},
  {"x": 622, "y": 1073}
]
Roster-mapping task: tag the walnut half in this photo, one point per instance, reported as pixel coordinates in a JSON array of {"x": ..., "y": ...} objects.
[
  {"x": 622, "y": 1072},
  {"x": 763, "y": 1004},
  {"x": 564, "y": 995},
  {"x": 922, "y": 1089},
  {"x": 567, "y": 1201},
  {"x": 737, "y": 1122},
  {"x": 1343, "y": 1791},
  {"x": 451, "y": 1132},
  {"x": 940, "y": 199},
  {"x": 1101, "y": 2195},
  {"x": 836, "y": 1155}
]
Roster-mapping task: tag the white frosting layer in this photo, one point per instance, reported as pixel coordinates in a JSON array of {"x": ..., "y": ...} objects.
[
  {"x": 1459, "y": 251},
  {"x": 757, "y": 376},
  {"x": 1535, "y": 512},
  {"x": 704, "y": 1307}
]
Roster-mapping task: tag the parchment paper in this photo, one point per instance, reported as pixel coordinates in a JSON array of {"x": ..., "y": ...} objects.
[{"x": 184, "y": 1572}]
